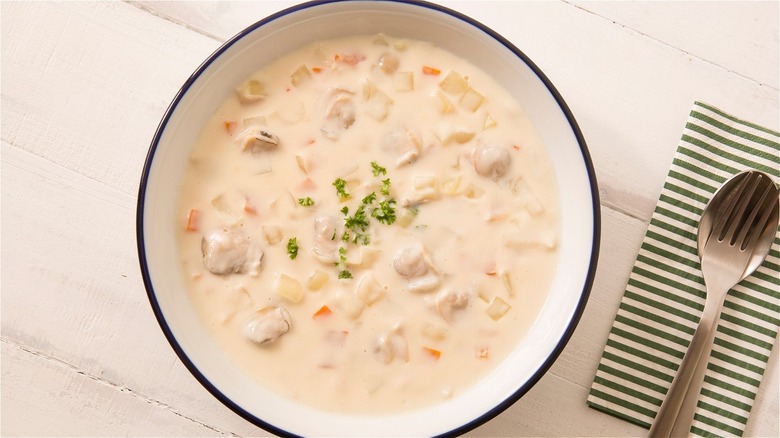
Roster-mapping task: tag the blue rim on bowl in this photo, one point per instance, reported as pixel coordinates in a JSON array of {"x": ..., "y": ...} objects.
[{"x": 144, "y": 190}]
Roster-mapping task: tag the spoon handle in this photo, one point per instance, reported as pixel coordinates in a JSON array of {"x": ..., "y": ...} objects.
[{"x": 675, "y": 415}]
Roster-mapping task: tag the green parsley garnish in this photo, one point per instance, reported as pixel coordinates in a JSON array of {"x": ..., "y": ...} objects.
[
  {"x": 377, "y": 170},
  {"x": 342, "y": 262},
  {"x": 341, "y": 188},
  {"x": 342, "y": 255},
  {"x": 292, "y": 248},
  {"x": 358, "y": 220},
  {"x": 386, "y": 212},
  {"x": 355, "y": 226},
  {"x": 369, "y": 199},
  {"x": 306, "y": 202}
]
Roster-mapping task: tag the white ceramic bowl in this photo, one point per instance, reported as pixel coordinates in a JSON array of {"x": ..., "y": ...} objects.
[{"x": 277, "y": 35}]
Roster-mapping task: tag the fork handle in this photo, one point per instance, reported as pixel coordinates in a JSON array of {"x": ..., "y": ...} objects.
[{"x": 675, "y": 415}]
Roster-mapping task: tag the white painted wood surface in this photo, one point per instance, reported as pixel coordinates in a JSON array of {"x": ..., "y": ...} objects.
[{"x": 85, "y": 84}]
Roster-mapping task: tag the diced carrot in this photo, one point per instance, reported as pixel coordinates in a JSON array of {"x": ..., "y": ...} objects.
[
  {"x": 490, "y": 268},
  {"x": 431, "y": 71},
  {"x": 193, "y": 221},
  {"x": 516, "y": 147},
  {"x": 249, "y": 207},
  {"x": 230, "y": 126},
  {"x": 436, "y": 354},
  {"x": 482, "y": 353},
  {"x": 348, "y": 58},
  {"x": 336, "y": 336},
  {"x": 324, "y": 311},
  {"x": 316, "y": 69},
  {"x": 307, "y": 185},
  {"x": 353, "y": 58}
]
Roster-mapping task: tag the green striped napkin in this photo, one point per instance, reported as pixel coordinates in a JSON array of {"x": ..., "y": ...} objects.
[{"x": 665, "y": 294}]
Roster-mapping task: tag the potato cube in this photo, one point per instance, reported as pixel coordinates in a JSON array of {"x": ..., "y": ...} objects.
[
  {"x": 317, "y": 280},
  {"x": 255, "y": 121},
  {"x": 403, "y": 81},
  {"x": 489, "y": 122},
  {"x": 350, "y": 304},
  {"x": 368, "y": 256},
  {"x": 300, "y": 75},
  {"x": 454, "y": 83},
  {"x": 288, "y": 288},
  {"x": 272, "y": 234},
  {"x": 451, "y": 186},
  {"x": 471, "y": 100},
  {"x": 421, "y": 182},
  {"x": 443, "y": 102},
  {"x": 405, "y": 217},
  {"x": 498, "y": 308},
  {"x": 507, "y": 280},
  {"x": 446, "y": 133},
  {"x": 369, "y": 290},
  {"x": 434, "y": 331},
  {"x": 474, "y": 192},
  {"x": 250, "y": 91}
]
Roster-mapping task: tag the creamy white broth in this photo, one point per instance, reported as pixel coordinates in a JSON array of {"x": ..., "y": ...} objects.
[{"x": 487, "y": 227}]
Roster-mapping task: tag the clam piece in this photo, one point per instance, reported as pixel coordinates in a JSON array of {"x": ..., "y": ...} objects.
[
  {"x": 407, "y": 158},
  {"x": 402, "y": 142},
  {"x": 383, "y": 350},
  {"x": 424, "y": 284},
  {"x": 268, "y": 325},
  {"x": 256, "y": 139},
  {"x": 492, "y": 161},
  {"x": 449, "y": 301},
  {"x": 410, "y": 262},
  {"x": 229, "y": 251},
  {"x": 391, "y": 345},
  {"x": 388, "y": 63},
  {"x": 339, "y": 116}
]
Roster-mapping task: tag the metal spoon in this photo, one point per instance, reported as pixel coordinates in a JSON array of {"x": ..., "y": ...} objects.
[
  {"x": 719, "y": 200},
  {"x": 735, "y": 234}
]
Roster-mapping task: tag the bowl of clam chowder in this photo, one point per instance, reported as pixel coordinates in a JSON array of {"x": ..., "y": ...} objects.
[{"x": 380, "y": 217}]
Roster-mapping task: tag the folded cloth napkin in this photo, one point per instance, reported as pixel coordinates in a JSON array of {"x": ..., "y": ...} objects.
[{"x": 665, "y": 294}]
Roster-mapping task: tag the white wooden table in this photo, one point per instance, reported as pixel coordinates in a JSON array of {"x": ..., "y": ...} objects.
[{"x": 85, "y": 84}]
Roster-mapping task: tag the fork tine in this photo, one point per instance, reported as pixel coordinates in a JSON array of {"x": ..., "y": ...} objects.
[
  {"x": 747, "y": 224},
  {"x": 725, "y": 216},
  {"x": 768, "y": 198},
  {"x": 738, "y": 217}
]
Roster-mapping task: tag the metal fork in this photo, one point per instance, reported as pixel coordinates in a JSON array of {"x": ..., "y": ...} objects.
[{"x": 738, "y": 229}]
